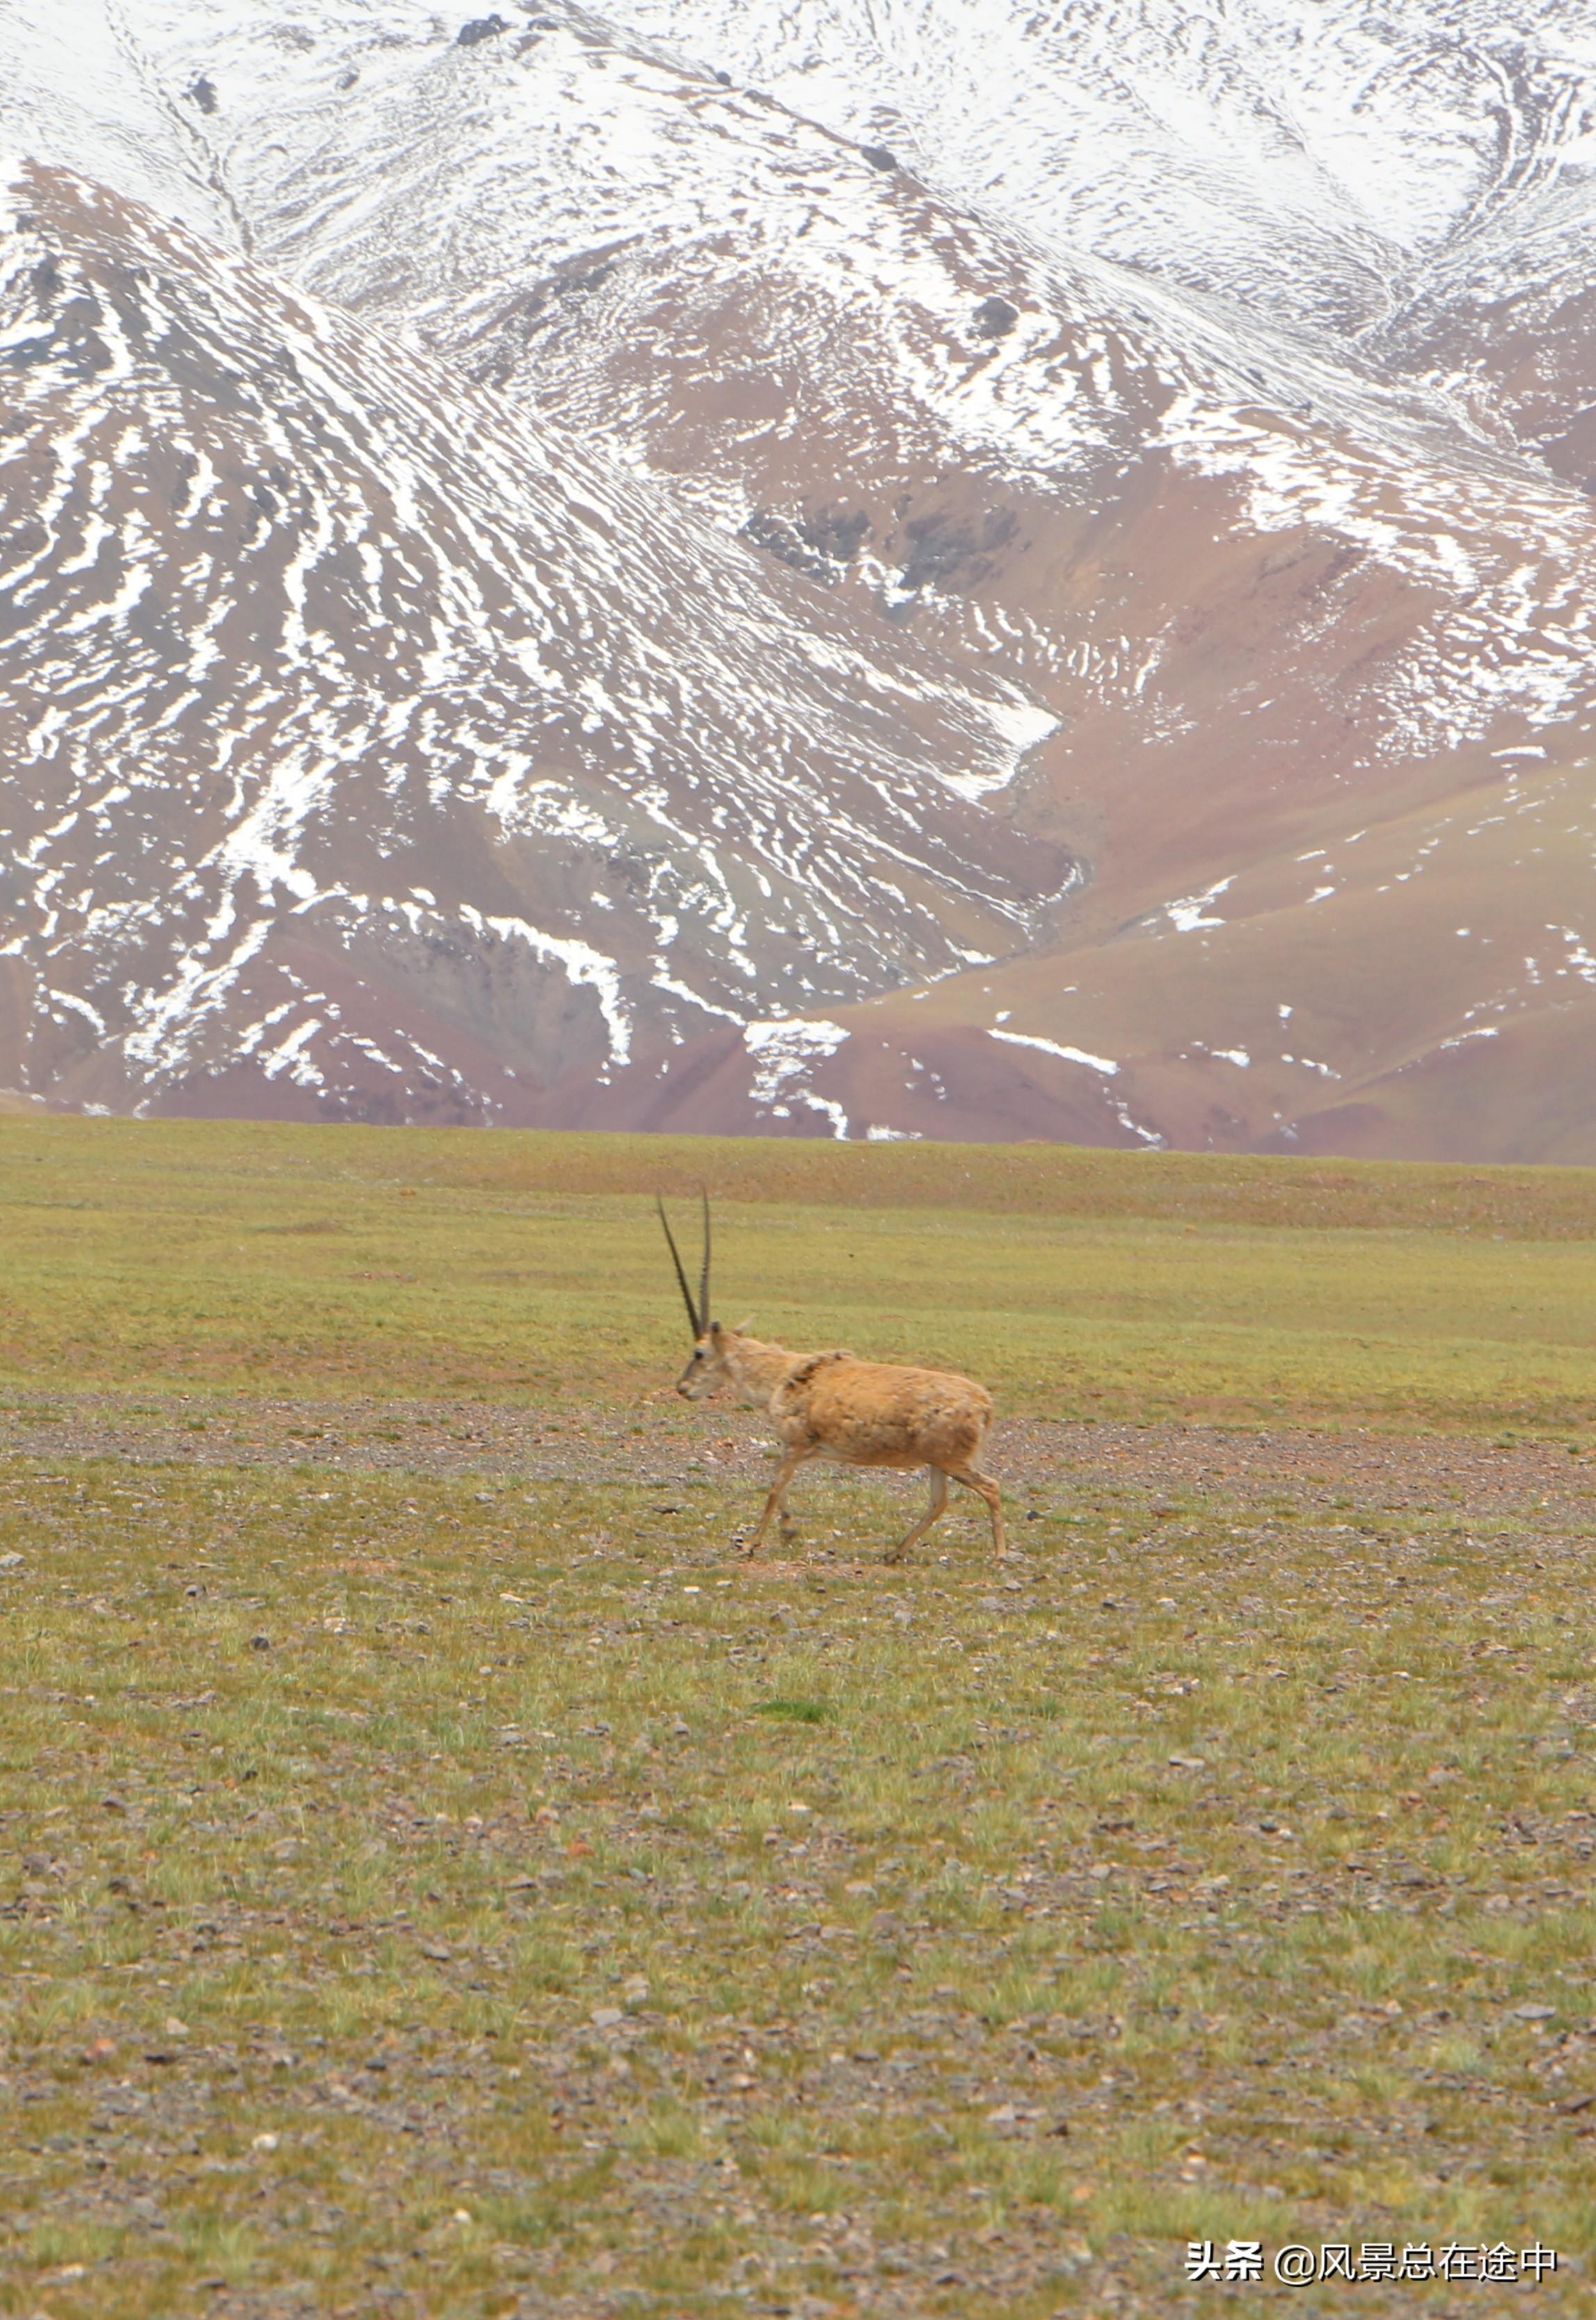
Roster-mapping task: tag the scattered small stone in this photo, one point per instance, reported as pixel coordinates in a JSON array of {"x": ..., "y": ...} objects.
[
  {"x": 264, "y": 2142},
  {"x": 439, "y": 1950},
  {"x": 10, "y": 1562},
  {"x": 261, "y": 1642},
  {"x": 1534, "y": 2013}
]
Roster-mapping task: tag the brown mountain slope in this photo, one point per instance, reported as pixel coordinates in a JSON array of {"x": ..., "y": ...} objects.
[{"x": 1424, "y": 988}]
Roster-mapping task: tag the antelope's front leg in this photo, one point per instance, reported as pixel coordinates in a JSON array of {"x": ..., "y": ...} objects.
[{"x": 791, "y": 1459}]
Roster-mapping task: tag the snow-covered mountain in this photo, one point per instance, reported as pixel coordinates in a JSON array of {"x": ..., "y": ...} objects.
[
  {"x": 348, "y": 725},
  {"x": 903, "y": 567}
]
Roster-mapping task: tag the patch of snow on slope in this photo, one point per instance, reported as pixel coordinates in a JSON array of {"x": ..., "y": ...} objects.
[
  {"x": 1190, "y": 912},
  {"x": 784, "y": 1052},
  {"x": 1051, "y": 1047},
  {"x": 585, "y": 969}
]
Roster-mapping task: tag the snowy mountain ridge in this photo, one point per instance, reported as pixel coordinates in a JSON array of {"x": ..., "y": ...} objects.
[
  {"x": 1164, "y": 430},
  {"x": 342, "y": 599}
]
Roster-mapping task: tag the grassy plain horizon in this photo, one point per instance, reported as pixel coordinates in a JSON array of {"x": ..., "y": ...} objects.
[{"x": 260, "y": 1259}]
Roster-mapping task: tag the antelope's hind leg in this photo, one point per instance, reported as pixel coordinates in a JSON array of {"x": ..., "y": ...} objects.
[
  {"x": 985, "y": 1487},
  {"x": 937, "y": 1501}
]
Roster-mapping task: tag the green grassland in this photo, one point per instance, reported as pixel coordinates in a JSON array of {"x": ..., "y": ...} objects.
[
  {"x": 471, "y": 1887},
  {"x": 361, "y": 1261}
]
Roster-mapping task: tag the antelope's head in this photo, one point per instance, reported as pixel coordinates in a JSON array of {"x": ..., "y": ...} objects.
[{"x": 705, "y": 1373}]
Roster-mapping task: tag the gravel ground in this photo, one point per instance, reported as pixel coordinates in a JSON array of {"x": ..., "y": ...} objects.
[
  {"x": 663, "y": 1443},
  {"x": 482, "y": 2146}
]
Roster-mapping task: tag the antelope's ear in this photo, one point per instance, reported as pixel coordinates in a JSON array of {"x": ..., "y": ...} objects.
[{"x": 743, "y": 1328}]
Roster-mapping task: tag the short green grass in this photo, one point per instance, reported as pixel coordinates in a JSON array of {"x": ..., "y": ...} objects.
[
  {"x": 350, "y": 1261},
  {"x": 464, "y": 1894}
]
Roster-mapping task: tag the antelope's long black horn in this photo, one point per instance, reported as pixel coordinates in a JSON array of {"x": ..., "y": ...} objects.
[
  {"x": 704, "y": 1284},
  {"x": 698, "y": 1326}
]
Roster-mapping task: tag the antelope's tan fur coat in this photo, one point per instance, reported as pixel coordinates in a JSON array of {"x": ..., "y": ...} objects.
[{"x": 877, "y": 1414}]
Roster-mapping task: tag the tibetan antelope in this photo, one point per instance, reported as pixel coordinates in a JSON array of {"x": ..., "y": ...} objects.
[{"x": 832, "y": 1405}]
